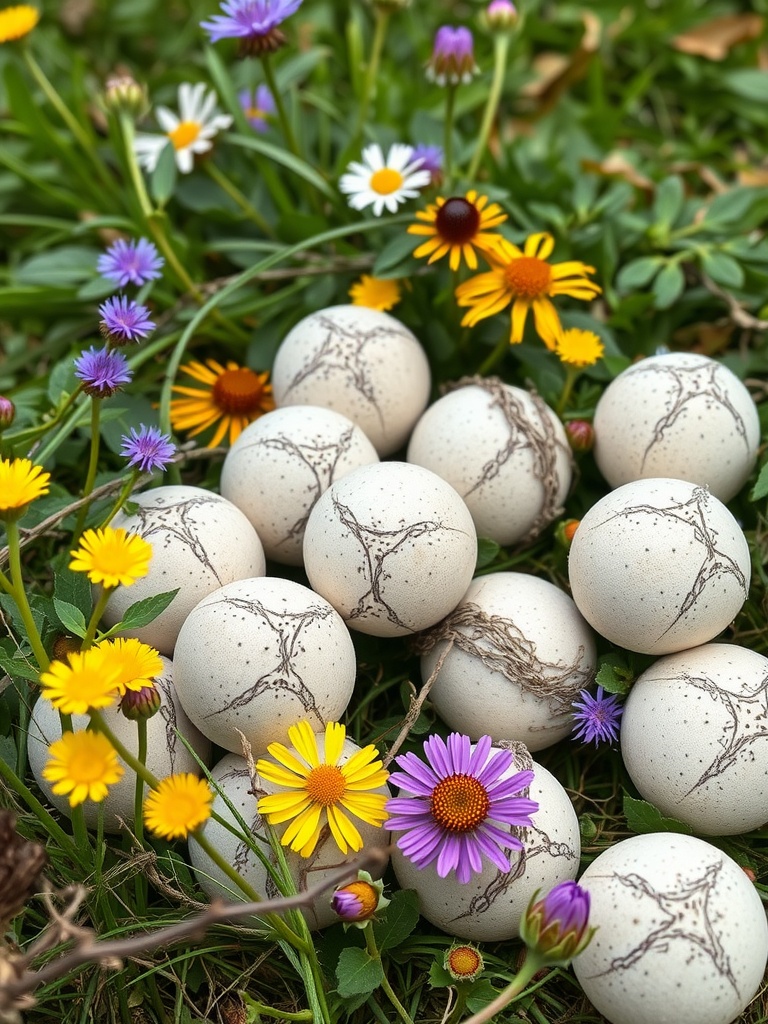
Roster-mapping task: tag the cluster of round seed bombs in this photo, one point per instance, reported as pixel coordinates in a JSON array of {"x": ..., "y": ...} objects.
[{"x": 658, "y": 566}]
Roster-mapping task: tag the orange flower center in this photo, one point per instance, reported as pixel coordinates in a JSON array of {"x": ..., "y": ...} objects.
[
  {"x": 86, "y": 766},
  {"x": 457, "y": 221},
  {"x": 326, "y": 784},
  {"x": 185, "y": 134},
  {"x": 367, "y": 895},
  {"x": 528, "y": 277},
  {"x": 459, "y": 803},
  {"x": 386, "y": 181},
  {"x": 238, "y": 392},
  {"x": 464, "y": 961}
]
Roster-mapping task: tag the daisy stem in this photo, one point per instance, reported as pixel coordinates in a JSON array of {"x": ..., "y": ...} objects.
[
  {"x": 96, "y": 614},
  {"x": 282, "y": 115},
  {"x": 373, "y": 950},
  {"x": 122, "y": 497},
  {"x": 19, "y": 594},
  {"x": 497, "y": 354},
  {"x": 450, "y": 97},
  {"x": 571, "y": 375},
  {"x": 371, "y": 73},
  {"x": 500, "y": 50},
  {"x": 235, "y": 194},
  {"x": 532, "y": 965},
  {"x": 93, "y": 464}
]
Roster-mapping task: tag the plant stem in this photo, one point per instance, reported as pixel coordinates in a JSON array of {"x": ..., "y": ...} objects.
[
  {"x": 45, "y": 818},
  {"x": 138, "y": 818},
  {"x": 19, "y": 594},
  {"x": 122, "y": 497},
  {"x": 93, "y": 465},
  {"x": 450, "y": 97},
  {"x": 532, "y": 965},
  {"x": 96, "y": 614},
  {"x": 497, "y": 354},
  {"x": 282, "y": 116},
  {"x": 370, "y": 943},
  {"x": 371, "y": 73},
  {"x": 235, "y": 194},
  {"x": 500, "y": 50},
  {"x": 571, "y": 375},
  {"x": 267, "y": 1011}
]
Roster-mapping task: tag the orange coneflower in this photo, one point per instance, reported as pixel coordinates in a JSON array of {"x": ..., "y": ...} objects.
[{"x": 235, "y": 396}]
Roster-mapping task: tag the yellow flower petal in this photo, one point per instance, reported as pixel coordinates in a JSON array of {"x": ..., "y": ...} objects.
[{"x": 305, "y": 742}]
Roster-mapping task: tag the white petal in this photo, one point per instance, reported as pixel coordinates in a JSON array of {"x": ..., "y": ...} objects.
[
  {"x": 201, "y": 146},
  {"x": 362, "y": 199},
  {"x": 185, "y": 100},
  {"x": 399, "y": 156},
  {"x": 392, "y": 200},
  {"x": 167, "y": 120},
  {"x": 207, "y": 106},
  {"x": 354, "y": 182},
  {"x": 378, "y": 206},
  {"x": 220, "y": 123},
  {"x": 373, "y": 157},
  {"x": 419, "y": 179},
  {"x": 184, "y": 160}
]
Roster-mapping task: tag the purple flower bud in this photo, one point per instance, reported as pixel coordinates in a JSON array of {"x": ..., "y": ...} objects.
[
  {"x": 453, "y": 58},
  {"x": 556, "y": 928},
  {"x": 500, "y": 15},
  {"x": 143, "y": 703},
  {"x": 581, "y": 435},
  {"x": 357, "y": 902},
  {"x": 7, "y": 412}
]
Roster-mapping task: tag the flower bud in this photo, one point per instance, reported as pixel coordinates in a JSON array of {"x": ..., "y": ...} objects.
[
  {"x": 500, "y": 15},
  {"x": 357, "y": 902},
  {"x": 556, "y": 928},
  {"x": 565, "y": 532},
  {"x": 464, "y": 963},
  {"x": 453, "y": 59},
  {"x": 64, "y": 645},
  {"x": 143, "y": 703},
  {"x": 123, "y": 94},
  {"x": 7, "y": 412},
  {"x": 581, "y": 435}
]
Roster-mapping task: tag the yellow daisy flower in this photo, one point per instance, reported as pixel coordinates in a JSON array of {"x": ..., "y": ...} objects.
[
  {"x": 375, "y": 292},
  {"x": 86, "y": 680},
  {"x": 457, "y": 226},
  {"x": 83, "y": 764},
  {"x": 112, "y": 556},
  {"x": 20, "y": 483},
  {"x": 17, "y": 22},
  {"x": 525, "y": 279},
  {"x": 138, "y": 664},
  {"x": 234, "y": 396},
  {"x": 579, "y": 348},
  {"x": 179, "y": 805},
  {"x": 322, "y": 789}
]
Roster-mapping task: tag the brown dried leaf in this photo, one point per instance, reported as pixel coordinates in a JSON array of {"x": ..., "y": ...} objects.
[
  {"x": 757, "y": 177},
  {"x": 714, "y": 39},
  {"x": 616, "y": 165},
  {"x": 555, "y": 72}
]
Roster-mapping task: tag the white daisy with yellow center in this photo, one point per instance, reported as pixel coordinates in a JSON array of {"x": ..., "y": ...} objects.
[
  {"x": 189, "y": 132},
  {"x": 384, "y": 182}
]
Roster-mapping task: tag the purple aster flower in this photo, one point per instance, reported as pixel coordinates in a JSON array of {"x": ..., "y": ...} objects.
[
  {"x": 253, "y": 22},
  {"x": 458, "y": 794},
  {"x": 148, "y": 449},
  {"x": 257, "y": 107},
  {"x": 102, "y": 371},
  {"x": 430, "y": 159},
  {"x": 453, "y": 58},
  {"x": 556, "y": 927},
  {"x": 597, "y": 718},
  {"x": 124, "y": 320},
  {"x": 134, "y": 262}
]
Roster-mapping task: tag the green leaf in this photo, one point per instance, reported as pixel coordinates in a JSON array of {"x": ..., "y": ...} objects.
[
  {"x": 613, "y": 674},
  {"x": 668, "y": 201},
  {"x": 723, "y": 269},
  {"x": 668, "y": 286},
  {"x": 63, "y": 267},
  {"x": 643, "y": 817},
  {"x": 481, "y": 993},
  {"x": 402, "y": 916},
  {"x": 750, "y": 83},
  {"x": 71, "y": 618},
  {"x": 143, "y": 612},
  {"x": 487, "y": 550},
  {"x": 397, "y": 252},
  {"x": 357, "y": 973},
  {"x": 292, "y": 163},
  {"x": 734, "y": 204},
  {"x": 760, "y": 490},
  {"x": 438, "y": 976},
  {"x": 15, "y": 665},
  {"x": 163, "y": 180},
  {"x": 637, "y": 273}
]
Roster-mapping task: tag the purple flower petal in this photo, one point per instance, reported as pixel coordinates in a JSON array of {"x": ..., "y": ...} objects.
[
  {"x": 479, "y": 755},
  {"x": 459, "y": 753},
  {"x": 437, "y": 753},
  {"x": 497, "y": 764}
]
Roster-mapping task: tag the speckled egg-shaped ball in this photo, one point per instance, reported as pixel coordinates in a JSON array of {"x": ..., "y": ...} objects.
[
  {"x": 658, "y": 566},
  {"x": 200, "y": 542},
  {"x": 505, "y": 452},
  {"x": 361, "y": 362},
  {"x": 488, "y": 907},
  {"x": 281, "y": 464},
  {"x": 521, "y": 653},
  {"x": 232, "y": 777},
  {"x": 681, "y": 933},
  {"x": 677, "y": 415},
  {"x": 257, "y": 656},
  {"x": 392, "y": 547},
  {"x": 694, "y": 738},
  {"x": 166, "y": 753}
]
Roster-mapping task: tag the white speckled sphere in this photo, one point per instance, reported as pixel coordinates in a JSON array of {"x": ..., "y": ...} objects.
[
  {"x": 681, "y": 933},
  {"x": 231, "y": 775},
  {"x": 505, "y": 452},
  {"x": 677, "y": 415},
  {"x": 361, "y": 362},
  {"x": 281, "y": 464},
  {"x": 166, "y": 754},
  {"x": 258, "y": 656},
  {"x": 489, "y": 907},
  {"x": 392, "y": 547},
  {"x": 521, "y": 654},
  {"x": 200, "y": 542},
  {"x": 658, "y": 566},
  {"x": 694, "y": 738}
]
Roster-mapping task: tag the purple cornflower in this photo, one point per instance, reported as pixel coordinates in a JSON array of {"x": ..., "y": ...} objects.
[
  {"x": 453, "y": 58},
  {"x": 597, "y": 718},
  {"x": 124, "y": 320},
  {"x": 456, "y": 793},
  {"x": 555, "y": 928},
  {"x": 258, "y": 107},
  {"x": 253, "y": 22},
  {"x": 102, "y": 371},
  {"x": 134, "y": 262},
  {"x": 430, "y": 159},
  {"x": 148, "y": 449}
]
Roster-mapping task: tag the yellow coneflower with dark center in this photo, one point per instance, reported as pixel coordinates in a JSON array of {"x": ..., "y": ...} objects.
[
  {"x": 17, "y": 22},
  {"x": 234, "y": 396},
  {"x": 524, "y": 279},
  {"x": 457, "y": 226}
]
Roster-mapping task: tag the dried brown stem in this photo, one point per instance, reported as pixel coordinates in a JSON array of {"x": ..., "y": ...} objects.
[
  {"x": 739, "y": 315},
  {"x": 414, "y": 710}
]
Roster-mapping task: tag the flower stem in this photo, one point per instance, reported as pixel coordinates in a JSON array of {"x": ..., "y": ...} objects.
[
  {"x": 237, "y": 196},
  {"x": 373, "y": 950},
  {"x": 138, "y": 818},
  {"x": 93, "y": 464},
  {"x": 571, "y": 375},
  {"x": 46, "y": 819},
  {"x": 532, "y": 965},
  {"x": 122, "y": 497},
  {"x": 19, "y": 595},
  {"x": 497, "y": 354},
  {"x": 282, "y": 115},
  {"x": 450, "y": 97},
  {"x": 371, "y": 72},
  {"x": 96, "y": 614},
  {"x": 267, "y": 1011},
  {"x": 500, "y": 50}
]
